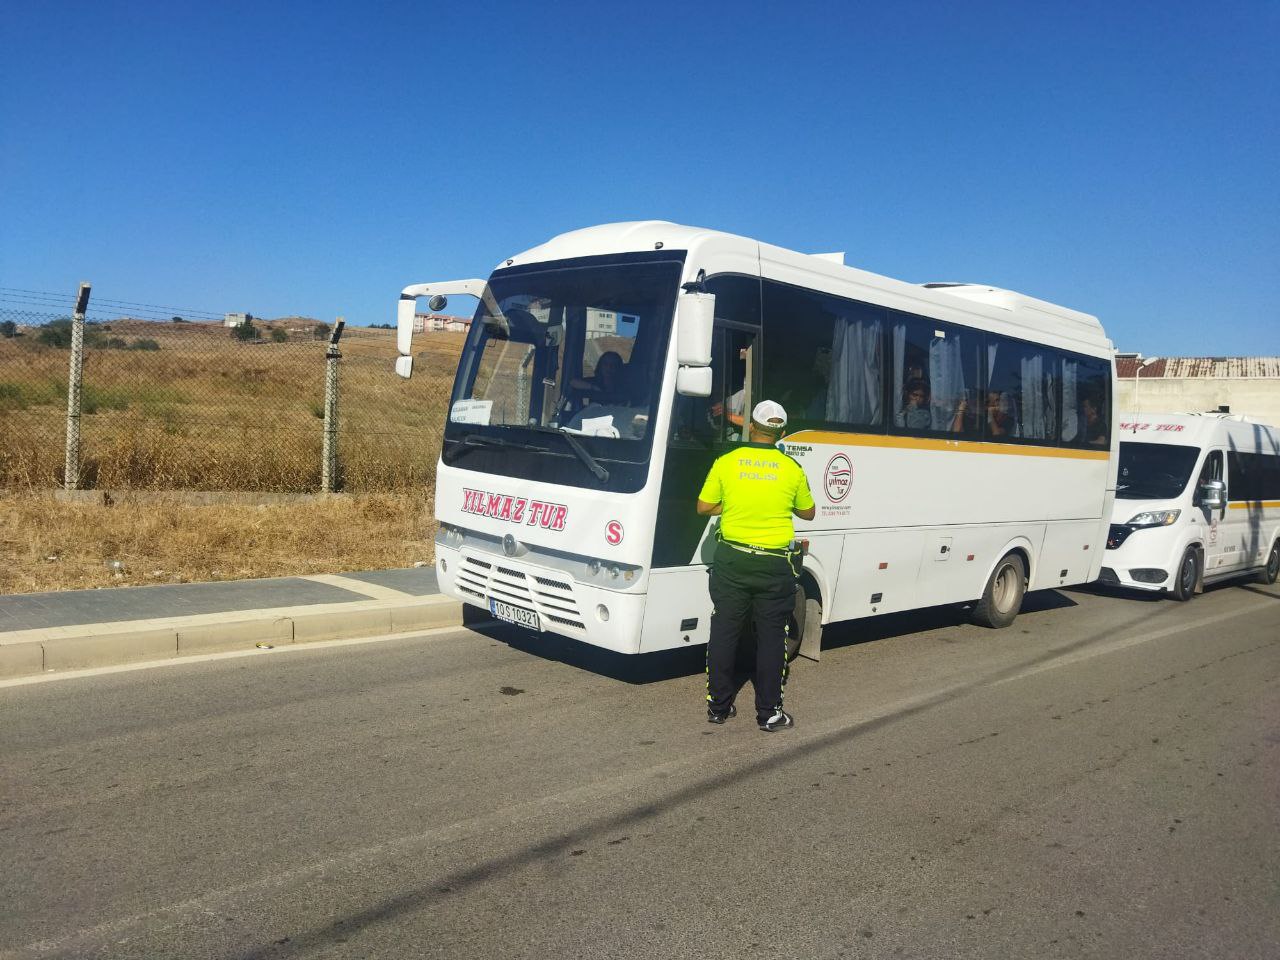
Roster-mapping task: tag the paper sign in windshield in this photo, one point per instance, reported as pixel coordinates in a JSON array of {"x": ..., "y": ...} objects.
[{"x": 471, "y": 411}]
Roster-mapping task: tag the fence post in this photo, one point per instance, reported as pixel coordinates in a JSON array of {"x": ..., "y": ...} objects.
[
  {"x": 329, "y": 451},
  {"x": 75, "y": 379}
]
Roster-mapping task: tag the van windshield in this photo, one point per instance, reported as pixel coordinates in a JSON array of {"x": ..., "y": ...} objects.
[{"x": 1154, "y": 471}]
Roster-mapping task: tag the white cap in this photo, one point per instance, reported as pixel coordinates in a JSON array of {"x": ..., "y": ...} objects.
[{"x": 767, "y": 410}]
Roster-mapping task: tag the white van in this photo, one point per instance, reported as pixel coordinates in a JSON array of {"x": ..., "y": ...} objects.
[{"x": 1197, "y": 501}]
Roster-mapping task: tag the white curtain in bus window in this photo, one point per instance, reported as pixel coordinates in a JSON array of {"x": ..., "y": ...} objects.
[
  {"x": 1039, "y": 396},
  {"x": 1070, "y": 410},
  {"x": 854, "y": 390},
  {"x": 947, "y": 386}
]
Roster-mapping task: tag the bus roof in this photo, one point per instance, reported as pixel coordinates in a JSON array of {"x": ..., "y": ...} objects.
[{"x": 1007, "y": 309}]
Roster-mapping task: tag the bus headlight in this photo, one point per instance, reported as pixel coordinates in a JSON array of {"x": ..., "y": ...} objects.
[{"x": 1155, "y": 518}]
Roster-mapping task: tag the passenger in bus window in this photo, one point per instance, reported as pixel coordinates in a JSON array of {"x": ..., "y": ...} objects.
[
  {"x": 999, "y": 420},
  {"x": 914, "y": 413},
  {"x": 1095, "y": 428},
  {"x": 958, "y": 424}
]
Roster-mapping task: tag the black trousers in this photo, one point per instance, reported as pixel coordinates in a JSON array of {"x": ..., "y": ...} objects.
[{"x": 756, "y": 589}]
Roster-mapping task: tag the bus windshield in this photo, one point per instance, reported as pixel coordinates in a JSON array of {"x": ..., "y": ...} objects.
[
  {"x": 1154, "y": 471},
  {"x": 577, "y": 349}
]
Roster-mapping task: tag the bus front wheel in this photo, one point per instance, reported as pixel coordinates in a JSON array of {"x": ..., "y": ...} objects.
[{"x": 1002, "y": 598}]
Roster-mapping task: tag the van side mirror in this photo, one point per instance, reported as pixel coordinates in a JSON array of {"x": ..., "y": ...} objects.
[
  {"x": 695, "y": 319},
  {"x": 693, "y": 381},
  {"x": 1213, "y": 494}
]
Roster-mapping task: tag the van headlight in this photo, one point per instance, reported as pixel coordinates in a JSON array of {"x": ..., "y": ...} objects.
[{"x": 1155, "y": 518}]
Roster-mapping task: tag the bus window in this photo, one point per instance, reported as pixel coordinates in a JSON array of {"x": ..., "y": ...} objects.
[
  {"x": 720, "y": 417},
  {"x": 934, "y": 385},
  {"x": 1022, "y": 391},
  {"x": 824, "y": 357},
  {"x": 1086, "y": 402}
]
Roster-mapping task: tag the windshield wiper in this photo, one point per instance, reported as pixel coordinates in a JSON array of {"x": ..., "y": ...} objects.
[
  {"x": 474, "y": 440},
  {"x": 576, "y": 446}
]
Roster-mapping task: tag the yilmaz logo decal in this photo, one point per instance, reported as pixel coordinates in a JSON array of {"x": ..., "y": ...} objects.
[
  {"x": 501, "y": 506},
  {"x": 838, "y": 478},
  {"x": 613, "y": 533}
]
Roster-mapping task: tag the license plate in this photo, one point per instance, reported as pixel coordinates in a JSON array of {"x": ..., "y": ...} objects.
[{"x": 513, "y": 614}]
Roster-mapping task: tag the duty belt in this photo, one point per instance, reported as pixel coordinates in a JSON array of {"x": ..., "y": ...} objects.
[{"x": 784, "y": 552}]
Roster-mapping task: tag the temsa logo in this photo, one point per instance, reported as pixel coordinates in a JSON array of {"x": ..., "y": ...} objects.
[
  {"x": 502, "y": 506},
  {"x": 613, "y": 533}
]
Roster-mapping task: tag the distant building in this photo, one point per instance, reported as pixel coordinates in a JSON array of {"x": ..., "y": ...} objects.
[
  {"x": 607, "y": 323},
  {"x": 440, "y": 323},
  {"x": 1247, "y": 385},
  {"x": 235, "y": 319}
]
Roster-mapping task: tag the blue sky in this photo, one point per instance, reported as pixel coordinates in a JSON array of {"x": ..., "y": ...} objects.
[{"x": 1118, "y": 158}]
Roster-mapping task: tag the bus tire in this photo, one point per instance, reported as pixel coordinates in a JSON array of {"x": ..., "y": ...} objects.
[
  {"x": 1187, "y": 575},
  {"x": 1002, "y": 598},
  {"x": 804, "y": 626},
  {"x": 795, "y": 623},
  {"x": 1269, "y": 573}
]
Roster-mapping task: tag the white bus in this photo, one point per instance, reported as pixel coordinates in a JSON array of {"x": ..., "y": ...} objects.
[
  {"x": 956, "y": 437},
  {"x": 1197, "y": 501}
]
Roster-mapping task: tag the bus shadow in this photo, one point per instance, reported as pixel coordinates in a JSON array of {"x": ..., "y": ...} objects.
[
  {"x": 889, "y": 625},
  {"x": 628, "y": 668},
  {"x": 647, "y": 668}
]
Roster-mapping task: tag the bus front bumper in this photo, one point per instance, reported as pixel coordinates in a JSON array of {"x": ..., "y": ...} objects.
[{"x": 541, "y": 598}]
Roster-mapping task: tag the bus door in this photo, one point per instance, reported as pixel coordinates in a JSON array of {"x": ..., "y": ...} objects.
[{"x": 702, "y": 428}]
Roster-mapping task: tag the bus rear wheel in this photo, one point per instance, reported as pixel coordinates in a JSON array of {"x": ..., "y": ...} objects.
[
  {"x": 1271, "y": 571},
  {"x": 1184, "y": 581},
  {"x": 1002, "y": 598}
]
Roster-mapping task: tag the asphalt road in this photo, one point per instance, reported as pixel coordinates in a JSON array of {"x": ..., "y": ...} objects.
[{"x": 1099, "y": 780}]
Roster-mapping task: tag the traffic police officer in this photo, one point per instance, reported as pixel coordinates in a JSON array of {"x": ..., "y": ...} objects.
[{"x": 754, "y": 489}]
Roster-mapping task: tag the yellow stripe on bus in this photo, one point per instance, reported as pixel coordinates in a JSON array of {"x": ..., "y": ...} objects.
[
  {"x": 1253, "y": 504},
  {"x": 937, "y": 443}
]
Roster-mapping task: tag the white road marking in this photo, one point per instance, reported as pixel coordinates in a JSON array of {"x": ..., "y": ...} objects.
[{"x": 371, "y": 590}]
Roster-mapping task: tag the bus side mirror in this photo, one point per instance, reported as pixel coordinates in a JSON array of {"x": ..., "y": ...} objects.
[
  {"x": 695, "y": 319},
  {"x": 693, "y": 381},
  {"x": 1213, "y": 494},
  {"x": 404, "y": 366}
]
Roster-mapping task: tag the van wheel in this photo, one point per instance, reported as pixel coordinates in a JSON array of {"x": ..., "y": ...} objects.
[
  {"x": 1269, "y": 573},
  {"x": 1002, "y": 598},
  {"x": 1184, "y": 582}
]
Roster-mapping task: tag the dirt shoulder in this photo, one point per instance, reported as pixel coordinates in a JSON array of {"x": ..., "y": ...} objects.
[{"x": 48, "y": 544}]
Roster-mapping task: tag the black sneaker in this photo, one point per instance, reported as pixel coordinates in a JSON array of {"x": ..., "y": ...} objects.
[
  {"x": 713, "y": 717},
  {"x": 779, "y": 721}
]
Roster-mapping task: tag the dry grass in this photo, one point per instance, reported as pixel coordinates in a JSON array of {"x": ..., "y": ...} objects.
[
  {"x": 46, "y": 544},
  {"x": 206, "y": 412}
]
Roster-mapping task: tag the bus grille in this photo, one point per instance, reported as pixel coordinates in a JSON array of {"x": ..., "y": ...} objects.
[{"x": 551, "y": 596}]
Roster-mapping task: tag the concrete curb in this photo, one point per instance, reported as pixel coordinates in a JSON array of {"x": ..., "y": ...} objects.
[{"x": 28, "y": 652}]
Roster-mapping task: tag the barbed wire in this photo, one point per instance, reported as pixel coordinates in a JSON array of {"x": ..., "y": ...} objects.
[{"x": 54, "y": 299}]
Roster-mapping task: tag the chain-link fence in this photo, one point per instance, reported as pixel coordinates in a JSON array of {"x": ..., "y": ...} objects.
[{"x": 193, "y": 404}]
